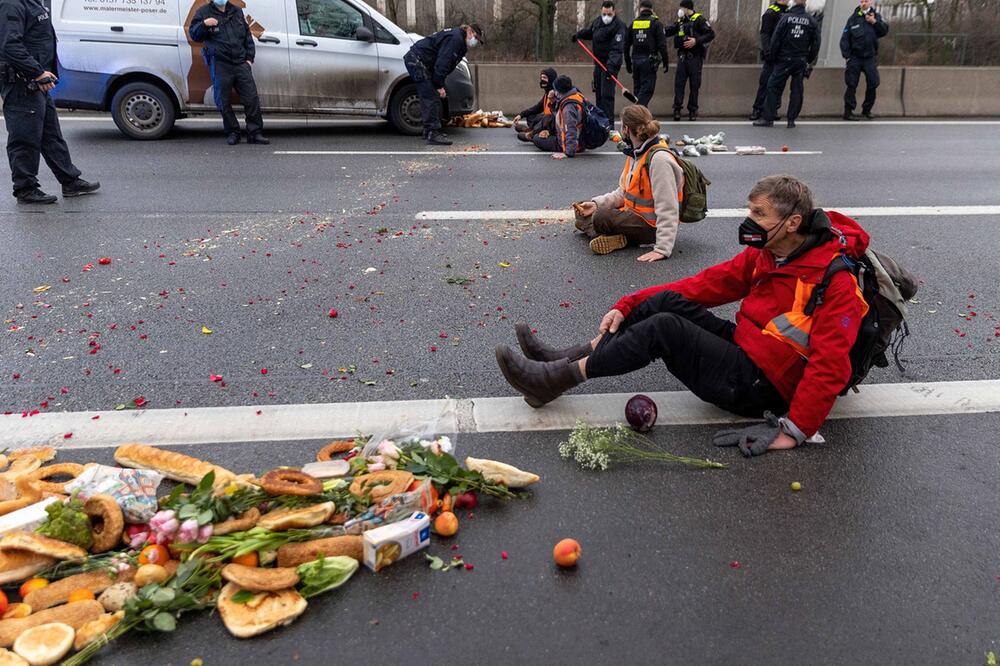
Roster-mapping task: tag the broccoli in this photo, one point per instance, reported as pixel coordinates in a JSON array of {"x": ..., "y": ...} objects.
[{"x": 68, "y": 522}]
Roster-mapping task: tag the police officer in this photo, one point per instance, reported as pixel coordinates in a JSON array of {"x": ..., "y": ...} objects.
[
  {"x": 768, "y": 22},
  {"x": 429, "y": 62},
  {"x": 794, "y": 47},
  {"x": 859, "y": 45},
  {"x": 229, "y": 52},
  {"x": 28, "y": 60},
  {"x": 691, "y": 33},
  {"x": 645, "y": 49},
  {"x": 607, "y": 36}
]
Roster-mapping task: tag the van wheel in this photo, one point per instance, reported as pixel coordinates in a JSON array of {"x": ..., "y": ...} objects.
[
  {"x": 404, "y": 111},
  {"x": 143, "y": 111}
]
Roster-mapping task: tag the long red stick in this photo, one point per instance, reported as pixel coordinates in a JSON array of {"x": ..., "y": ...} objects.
[{"x": 625, "y": 91}]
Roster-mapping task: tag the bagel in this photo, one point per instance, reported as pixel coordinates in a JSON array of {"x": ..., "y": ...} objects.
[
  {"x": 335, "y": 447},
  {"x": 241, "y": 523},
  {"x": 106, "y": 520},
  {"x": 40, "y": 475},
  {"x": 290, "y": 482},
  {"x": 380, "y": 485}
]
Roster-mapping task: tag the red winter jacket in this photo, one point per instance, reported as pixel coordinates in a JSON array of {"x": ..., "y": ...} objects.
[{"x": 770, "y": 325}]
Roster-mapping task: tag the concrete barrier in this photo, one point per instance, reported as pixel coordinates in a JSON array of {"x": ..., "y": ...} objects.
[{"x": 728, "y": 90}]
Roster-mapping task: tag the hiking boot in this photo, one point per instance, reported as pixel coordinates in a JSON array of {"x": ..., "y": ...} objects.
[
  {"x": 608, "y": 244},
  {"x": 763, "y": 122},
  {"x": 791, "y": 124},
  {"x": 35, "y": 196},
  {"x": 755, "y": 114},
  {"x": 521, "y": 126},
  {"x": 693, "y": 116},
  {"x": 538, "y": 382},
  {"x": 80, "y": 187},
  {"x": 233, "y": 138},
  {"x": 536, "y": 350},
  {"x": 259, "y": 139},
  {"x": 849, "y": 115},
  {"x": 438, "y": 138},
  {"x": 867, "y": 115},
  {"x": 677, "y": 115},
  {"x": 524, "y": 136}
]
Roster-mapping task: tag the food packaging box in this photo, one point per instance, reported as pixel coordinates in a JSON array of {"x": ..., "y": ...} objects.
[
  {"x": 27, "y": 519},
  {"x": 385, "y": 545}
]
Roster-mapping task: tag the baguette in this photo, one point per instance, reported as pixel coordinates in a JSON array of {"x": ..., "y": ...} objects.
[
  {"x": 59, "y": 591},
  {"x": 171, "y": 464},
  {"x": 281, "y": 520},
  {"x": 75, "y": 615},
  {"x": 294, "y": 554},
  {"x": 18, "y": 565}
]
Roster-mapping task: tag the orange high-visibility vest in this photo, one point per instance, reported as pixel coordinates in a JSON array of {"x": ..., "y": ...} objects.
[
  {"x": 638, "y": 188},
  {"x": 575, "y": 98},
  {"x": 793, "y": 327},
  {"x": 547, "y": 105}
]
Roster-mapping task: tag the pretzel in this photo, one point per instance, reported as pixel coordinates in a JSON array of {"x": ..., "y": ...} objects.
[
  {"x": 381, "y": 484},
  {"x": 290, "y": 482},
  {"x": 338, "y": 446},
  {"x": 72, "y": 470}
]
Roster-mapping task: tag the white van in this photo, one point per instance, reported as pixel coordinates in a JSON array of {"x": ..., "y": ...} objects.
[{"x": 134, "y": 58}]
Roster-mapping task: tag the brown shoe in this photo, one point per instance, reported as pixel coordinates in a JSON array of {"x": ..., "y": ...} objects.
[
  {"x": 538, "y": 382},
  {"x": 537, "y": 350},
  {"x": 608, "y": 244}
]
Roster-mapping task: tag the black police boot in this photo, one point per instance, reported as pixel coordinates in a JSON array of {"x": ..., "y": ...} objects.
[
  {"x": 524, "y": 136},
  {"x": 259, "y": 138},
  {"x": 849, "y": 115},
  {"x": 438, "y": 138},
  {"x": 791, "y": 123},
  {"x": 755, "y": 114},
  {"x": 79, "y": 187},
  {"x": 867, "y": 115},
  {"x": 233, "y": 138},
  {"x": 693, "y": 116},
  {"x": 537, "y": 350},
  {"x": 677, "y": 115},
  {"x": 763, "y": 122},
  {"x": 538, "y": 382},
  {"x": 35, "y": 196}
]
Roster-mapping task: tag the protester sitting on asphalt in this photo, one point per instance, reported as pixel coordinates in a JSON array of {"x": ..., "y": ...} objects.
[
  {"x": 528, "y": 121},
  {"x": 565, "y": 141},
  {"x": 229, "y": 53},
  {"x": 774, "y": 358},
  {"x": 645, "y": 207},
  {"x": 429, "y": 62}
]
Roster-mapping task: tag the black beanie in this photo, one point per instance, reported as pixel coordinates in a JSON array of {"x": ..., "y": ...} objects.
[
  {"x": 563, "y": 84},
  {"x": 687, "y": 4},
  {"x": 551, "y": 74}
]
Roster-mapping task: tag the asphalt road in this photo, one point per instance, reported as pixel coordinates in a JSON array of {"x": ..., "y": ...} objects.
[{"x": 889, "y": 554}]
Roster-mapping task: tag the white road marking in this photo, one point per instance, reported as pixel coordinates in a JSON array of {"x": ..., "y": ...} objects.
[
  {"x": 282, "y": 423},
  {"x": 502, "y": 153},
  {"x": 277, "y": 119},
  {"x": 564, "y": 215}
]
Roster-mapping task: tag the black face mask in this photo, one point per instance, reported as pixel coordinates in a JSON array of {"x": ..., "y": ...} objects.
[
  {"x": 545, "y": 85},
  {"x": 753, "y": 234}
]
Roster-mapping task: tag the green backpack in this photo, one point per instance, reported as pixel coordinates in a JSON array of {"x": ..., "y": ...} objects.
[{"x": 694, "y": 205}]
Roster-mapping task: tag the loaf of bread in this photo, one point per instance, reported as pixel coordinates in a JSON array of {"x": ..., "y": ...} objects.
[{"x": 171, "y": 464}]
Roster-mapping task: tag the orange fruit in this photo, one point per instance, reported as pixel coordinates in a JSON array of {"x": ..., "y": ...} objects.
[
  {"x": 446, "y": 524},
  {"x": 250, "y": 559},
  {"x": 566, "y": 553},
  {"x": 31, "y": 586},
  {"x": 83, "y": 594},
  {"x": 3, "y": 603},
  {"x": 154, "y": 554}
]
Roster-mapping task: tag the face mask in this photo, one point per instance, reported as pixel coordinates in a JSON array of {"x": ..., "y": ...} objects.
[
  {"x": 753, "y": 234},
  {"x": 472, "y": 42},
  {"x": 220, "y": 3},
  {"x": 607, "y": 19},
  {"x": 544, "y": 85}
]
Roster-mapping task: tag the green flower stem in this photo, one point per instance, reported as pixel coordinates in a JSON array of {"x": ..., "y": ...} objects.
[{"x": 92, "y": 648}]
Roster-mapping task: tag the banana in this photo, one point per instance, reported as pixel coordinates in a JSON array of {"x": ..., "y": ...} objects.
[{"x": 503, "y": 473}]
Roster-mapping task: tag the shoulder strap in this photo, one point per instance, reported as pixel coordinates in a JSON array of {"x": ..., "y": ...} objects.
[{"x": 840, "y": 264}]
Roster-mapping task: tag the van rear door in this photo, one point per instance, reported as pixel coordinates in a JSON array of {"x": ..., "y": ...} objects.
[{"x": 331, "y": 69}]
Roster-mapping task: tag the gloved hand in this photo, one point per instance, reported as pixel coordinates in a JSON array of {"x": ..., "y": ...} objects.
[
  {"x": 574, "y": 38},
  {"x": 752, "y": 440},
  {"x": 666, "y": 68},
  {"x": 809, "y": 71},
  {"x": 628, "y": 67}
]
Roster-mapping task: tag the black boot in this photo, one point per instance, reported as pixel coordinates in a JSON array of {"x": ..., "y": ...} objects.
[
  {"x": 438, "y": 138},
  {"x": 259, "y": 138},
  {"x": 867, "y": 115},
  {"x": 677, "y": 114},
  {"x": 849, "y": 115},
  {"x": 233, "y": 138},
  {"x": 539, "y": 383},
  {"x": 35, "y": 196},
  {"x": 537, "y": 350},
  {"x": 693, "y": 116},
  {"x": 79, "y": 187},
  {"x": 755, "y": 114},
  {"x": 524, "y": 136},
  {"x": 763, "y": 122}
]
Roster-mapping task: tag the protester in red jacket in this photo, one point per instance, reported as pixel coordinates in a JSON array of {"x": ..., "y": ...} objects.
[{"x": 774, "y": 358}]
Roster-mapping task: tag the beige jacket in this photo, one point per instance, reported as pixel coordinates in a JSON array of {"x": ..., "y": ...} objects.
[{"x": 666, "y": 177}]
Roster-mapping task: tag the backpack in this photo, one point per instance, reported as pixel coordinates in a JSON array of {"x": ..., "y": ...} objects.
[
  {"x": 694, "y": 187},
  {"x": 886, "y": 288},
  {"x": 596, "y": 126}
]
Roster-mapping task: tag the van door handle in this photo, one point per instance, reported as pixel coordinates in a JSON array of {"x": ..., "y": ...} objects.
[
  {"x": 306, "y": 42},
  {"x": 117, "y": 28},
  {"x": 269, "y": 40}
]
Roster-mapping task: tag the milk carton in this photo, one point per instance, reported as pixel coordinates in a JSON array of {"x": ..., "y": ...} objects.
[{"x": 385, "y": 545}]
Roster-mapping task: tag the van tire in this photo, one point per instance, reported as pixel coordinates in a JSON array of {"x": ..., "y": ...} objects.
[
  {"x": 143, "y": 111},
  {"x": 404, "y": 111}
]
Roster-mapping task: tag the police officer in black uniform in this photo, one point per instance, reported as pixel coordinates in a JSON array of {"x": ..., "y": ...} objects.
[
  {"x": 768, "y": 22},
  {"x": 794, "y": 47},
  {"x": 28, "y": 59},
  {"x": 645, "y": 49},
  {"x": 692, "y": 32},
  {"x": 607, "y": 36},
  {"x": 859, "y": 45}
]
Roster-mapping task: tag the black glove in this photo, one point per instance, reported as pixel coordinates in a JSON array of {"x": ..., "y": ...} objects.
[
  {"x": 752, "y": 440},
  {"x": 809, "y": 71},
  {"x": 574, "y": 38},
  {"x": 628, "y": 67},
  {"x": 666, "y": 67}
]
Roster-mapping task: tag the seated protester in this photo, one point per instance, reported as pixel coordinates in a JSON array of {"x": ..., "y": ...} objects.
[
  {"x": 565, "y": 140},
  {"x": 526, "y": 122},
  {"x": 645, "y": 208},
  {"x": 774, "y": 358}
]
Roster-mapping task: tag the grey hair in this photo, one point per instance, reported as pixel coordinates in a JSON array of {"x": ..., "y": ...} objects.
[{"x": 788, "y": 195}]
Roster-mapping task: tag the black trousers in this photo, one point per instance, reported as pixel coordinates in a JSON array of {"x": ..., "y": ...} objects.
[
  {"x": 33, "y": 132},
  {"x": 226, "y": 77},
  {"x": 766, "y": 68},
  {"x": 549, "y": 144},
  {"x": 852, "y": 76},
  {"x": 697, "y": 348},
  {"x": 430, "y": 101},
  {"x": 644, "y": 80},
  {"x": 783, "y": 69},
  {"x": 688, "y": 72},
  {"x": 604, "y": 91}
]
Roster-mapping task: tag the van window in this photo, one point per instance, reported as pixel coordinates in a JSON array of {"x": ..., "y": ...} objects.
[
  {"x": 328, "y": 18},
  {"x": 383, "y": 36}
]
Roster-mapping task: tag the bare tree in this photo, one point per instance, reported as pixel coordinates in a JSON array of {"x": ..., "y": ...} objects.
[{"x": 546, "y": 28}]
